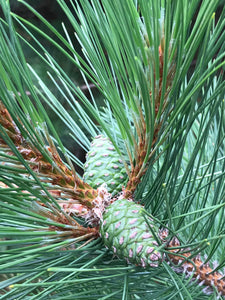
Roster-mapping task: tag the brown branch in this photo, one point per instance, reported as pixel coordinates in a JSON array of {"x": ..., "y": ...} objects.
[
  {"x": 139, "y": 168},
  {"x": 57, "y": 174},
  {"x": 195, "y": 268}
]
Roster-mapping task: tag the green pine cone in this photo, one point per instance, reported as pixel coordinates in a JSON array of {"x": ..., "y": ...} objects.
[
  {"x": 103, "y": 165},
  {"x": 125, "y": 231}
]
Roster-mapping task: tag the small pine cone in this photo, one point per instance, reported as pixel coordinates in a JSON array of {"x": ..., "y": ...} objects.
[
  {"x": 104, "y": 166},
  {"x": 125, "y": 231}
]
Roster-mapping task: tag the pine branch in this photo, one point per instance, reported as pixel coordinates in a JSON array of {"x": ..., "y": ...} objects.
[
  {"x": 138, "y": 55},
  {"x": 57, "y": 173}
]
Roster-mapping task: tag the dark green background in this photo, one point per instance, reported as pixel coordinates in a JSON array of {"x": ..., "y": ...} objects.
[{"x": 53, "y": 13}]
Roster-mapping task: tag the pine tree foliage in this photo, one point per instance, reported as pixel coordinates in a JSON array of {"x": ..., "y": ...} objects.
[{"x": 163, "y": 116}]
